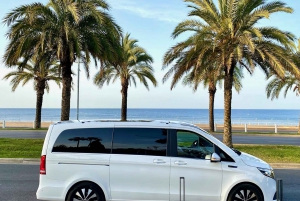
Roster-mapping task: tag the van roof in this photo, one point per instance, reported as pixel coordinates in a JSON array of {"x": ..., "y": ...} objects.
[{"x": 175, "y": 123}]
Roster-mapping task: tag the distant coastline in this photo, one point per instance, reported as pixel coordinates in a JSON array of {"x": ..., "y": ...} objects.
[
  {"x": 287, "y": 117},
  {"x": 151, "y": 108}
]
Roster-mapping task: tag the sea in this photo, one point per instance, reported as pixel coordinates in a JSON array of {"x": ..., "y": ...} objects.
[{"x": 199, "y": 116}]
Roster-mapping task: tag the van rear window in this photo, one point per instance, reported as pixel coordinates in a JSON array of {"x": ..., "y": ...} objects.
[
  {"x": 140, "y": 141},
  {"x": 85, "y": 140}
]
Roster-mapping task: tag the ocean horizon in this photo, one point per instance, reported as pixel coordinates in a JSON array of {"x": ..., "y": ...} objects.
[{"x": 239, "y": 116}]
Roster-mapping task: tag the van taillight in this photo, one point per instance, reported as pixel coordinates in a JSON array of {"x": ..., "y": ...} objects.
[{"x": 43, "y": 165}]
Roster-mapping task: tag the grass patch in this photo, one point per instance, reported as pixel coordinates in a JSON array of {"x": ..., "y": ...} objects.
[
  {"x": 20, "y": 148},
  {"x": 31, "y": 148},
  {"x": 273, "y": 153}
]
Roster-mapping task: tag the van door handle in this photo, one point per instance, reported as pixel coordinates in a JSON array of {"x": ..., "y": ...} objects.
[
  {"x": 180, "y": 163},
  {"x": 158, "y": 161}
]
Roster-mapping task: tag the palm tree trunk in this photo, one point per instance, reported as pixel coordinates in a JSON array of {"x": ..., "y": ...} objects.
[
  {"x": 228, "y": 82},
  {"x": 299, "y": 127},
  {"x": 212, "y": 91},
  {"x": 39, "y": 103},
  {"x": 66, "y": 91},
  {"x": 124, "y": 92}
]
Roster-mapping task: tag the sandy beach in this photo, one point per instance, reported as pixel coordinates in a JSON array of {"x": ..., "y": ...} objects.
[
  {"x": 235, "y": 128},
  {"x": 21, "y": 124}
]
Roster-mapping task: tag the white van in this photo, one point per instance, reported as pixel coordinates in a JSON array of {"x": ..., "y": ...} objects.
[{"x": 147, "y": 160}]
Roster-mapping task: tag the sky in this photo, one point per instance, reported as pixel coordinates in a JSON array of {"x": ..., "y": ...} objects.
[{"x": 151, "y": 23}]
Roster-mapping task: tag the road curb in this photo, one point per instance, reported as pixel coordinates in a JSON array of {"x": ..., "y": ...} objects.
[
  {"x": 266, "y": 135},
  {"x": 285, "y": 165},
  {"x": 35, "y": 161},
  {"x": 29, "y": 161}
]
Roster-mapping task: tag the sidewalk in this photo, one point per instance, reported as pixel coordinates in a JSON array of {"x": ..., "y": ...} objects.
[
  {"x": 255, "y": 128},
  {"x": 36, "y": 161},
  {"x": 219, "y": 127}
]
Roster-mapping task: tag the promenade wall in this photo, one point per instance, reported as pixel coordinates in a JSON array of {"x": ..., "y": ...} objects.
[{"x": 219, "y": 127}]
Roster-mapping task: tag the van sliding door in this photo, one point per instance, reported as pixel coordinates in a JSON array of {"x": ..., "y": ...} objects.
[{"x": 139, "y": 165}]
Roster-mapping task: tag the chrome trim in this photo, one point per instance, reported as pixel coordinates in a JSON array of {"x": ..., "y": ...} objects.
[
  {"x": 180, "y": 163},
  {"x": 182, "y": 180},
  {"x": 158, "y": 161},
  {"x": 63, "y": 163}
]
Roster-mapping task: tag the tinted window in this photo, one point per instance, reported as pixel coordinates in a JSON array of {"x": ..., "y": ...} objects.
[
  {"x": 140, "y": 141},
  {"x": 87, "y": 140},
  {"x": 192, "y": 145}
]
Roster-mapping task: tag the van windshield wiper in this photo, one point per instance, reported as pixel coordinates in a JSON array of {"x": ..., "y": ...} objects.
[{"x": 236, "y": 151}]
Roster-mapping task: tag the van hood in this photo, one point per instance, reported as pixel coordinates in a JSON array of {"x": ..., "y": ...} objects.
[{"x": 254, "y": 161}]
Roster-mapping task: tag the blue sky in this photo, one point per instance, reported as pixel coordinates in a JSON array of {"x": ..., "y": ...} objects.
[{"x": 151, "y": 22}]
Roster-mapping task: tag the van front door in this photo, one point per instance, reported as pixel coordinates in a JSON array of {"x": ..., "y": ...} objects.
[
  {"x": 139, "y": 166},
  {"x": 193, "y": 176}
]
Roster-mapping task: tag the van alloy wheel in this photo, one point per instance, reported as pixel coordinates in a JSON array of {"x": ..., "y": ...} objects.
[
  {"x": 85, "y": 191},
  {"x": 245, "y": 192},
  {"x": 245, "y": 195},
  {"x": 85, "y": 194}
]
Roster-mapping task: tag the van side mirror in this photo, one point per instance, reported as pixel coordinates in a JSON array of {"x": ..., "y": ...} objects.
[{"x": 215, "y": 158}]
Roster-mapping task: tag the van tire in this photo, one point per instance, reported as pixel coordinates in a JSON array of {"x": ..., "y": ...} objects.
[
  {"x": 85, "y": 190},
  {"x": 245, "y": 192}
]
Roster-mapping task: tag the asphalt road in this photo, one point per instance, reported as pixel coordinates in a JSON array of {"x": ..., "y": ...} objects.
[
  {"x": 237, "y": 139},
  {"x": 259, "y": 139},
  {"x": 20, "y": 182},
  {"x": 23, "y": 134}
]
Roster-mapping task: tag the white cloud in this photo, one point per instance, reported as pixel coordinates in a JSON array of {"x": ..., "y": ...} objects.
[{"x": 167, "y": 13}]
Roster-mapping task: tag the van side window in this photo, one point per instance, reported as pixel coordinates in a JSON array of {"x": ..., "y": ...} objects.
[
  {"x": 192, "y": 145},
  {"x": 85, "y": 140},
  {"x": 140, "y": 141}
]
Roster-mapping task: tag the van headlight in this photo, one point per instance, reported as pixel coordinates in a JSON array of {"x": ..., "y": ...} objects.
[{"x": 267, "y": 172}]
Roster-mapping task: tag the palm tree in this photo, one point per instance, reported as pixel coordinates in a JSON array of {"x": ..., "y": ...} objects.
[
  {"x": 288, "y": 82},
  {"x": 73, "y": 29},
  {"x": 41, "y": 72},
  {"x": 132, "y": 62},
  {"x": 210, "y": 78},
  {"x": 228, "y": 34},
  {"x": 277, "y": 84}
]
